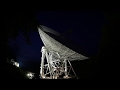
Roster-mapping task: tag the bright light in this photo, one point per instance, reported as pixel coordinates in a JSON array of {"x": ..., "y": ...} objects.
[
  {"x": 16, "y": 64},
  {"x": 30, "y": 75}
]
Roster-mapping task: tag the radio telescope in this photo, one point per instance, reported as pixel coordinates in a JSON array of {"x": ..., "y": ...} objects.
[{"x": 56, "y": 57}]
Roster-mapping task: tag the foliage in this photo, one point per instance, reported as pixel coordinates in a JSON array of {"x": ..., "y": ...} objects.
[{"x": 12, "y": 24}]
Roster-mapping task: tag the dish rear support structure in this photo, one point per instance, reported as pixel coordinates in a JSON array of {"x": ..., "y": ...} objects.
[
  {"x": 54, "y": 67},
  {"x": 56, "y": 57}
]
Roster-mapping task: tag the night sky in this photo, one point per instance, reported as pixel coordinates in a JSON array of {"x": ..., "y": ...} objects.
[
  {"x": 85, "y": 31},
  {"x": 85, "y": 28}
]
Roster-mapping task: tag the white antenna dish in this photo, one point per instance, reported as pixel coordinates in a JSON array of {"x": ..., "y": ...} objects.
[
  {"x": 58, "y": 56},
  {"x": 47, "y": 29}
]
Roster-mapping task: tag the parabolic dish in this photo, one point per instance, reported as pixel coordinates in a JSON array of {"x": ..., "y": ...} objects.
[{"x": 53, "y": 45}]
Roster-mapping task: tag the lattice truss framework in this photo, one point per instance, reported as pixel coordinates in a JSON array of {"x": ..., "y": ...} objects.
[{"x": 57, "y": 56}]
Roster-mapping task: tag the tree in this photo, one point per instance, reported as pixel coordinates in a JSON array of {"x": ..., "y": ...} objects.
[
  {"x": 12, "y": 24},
  {"x": 109, "y": 46}
]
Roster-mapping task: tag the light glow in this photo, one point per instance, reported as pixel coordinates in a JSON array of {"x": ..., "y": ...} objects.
[
  {"x": 30, "y": 75},
  {"x": 16, "y": 64}
]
